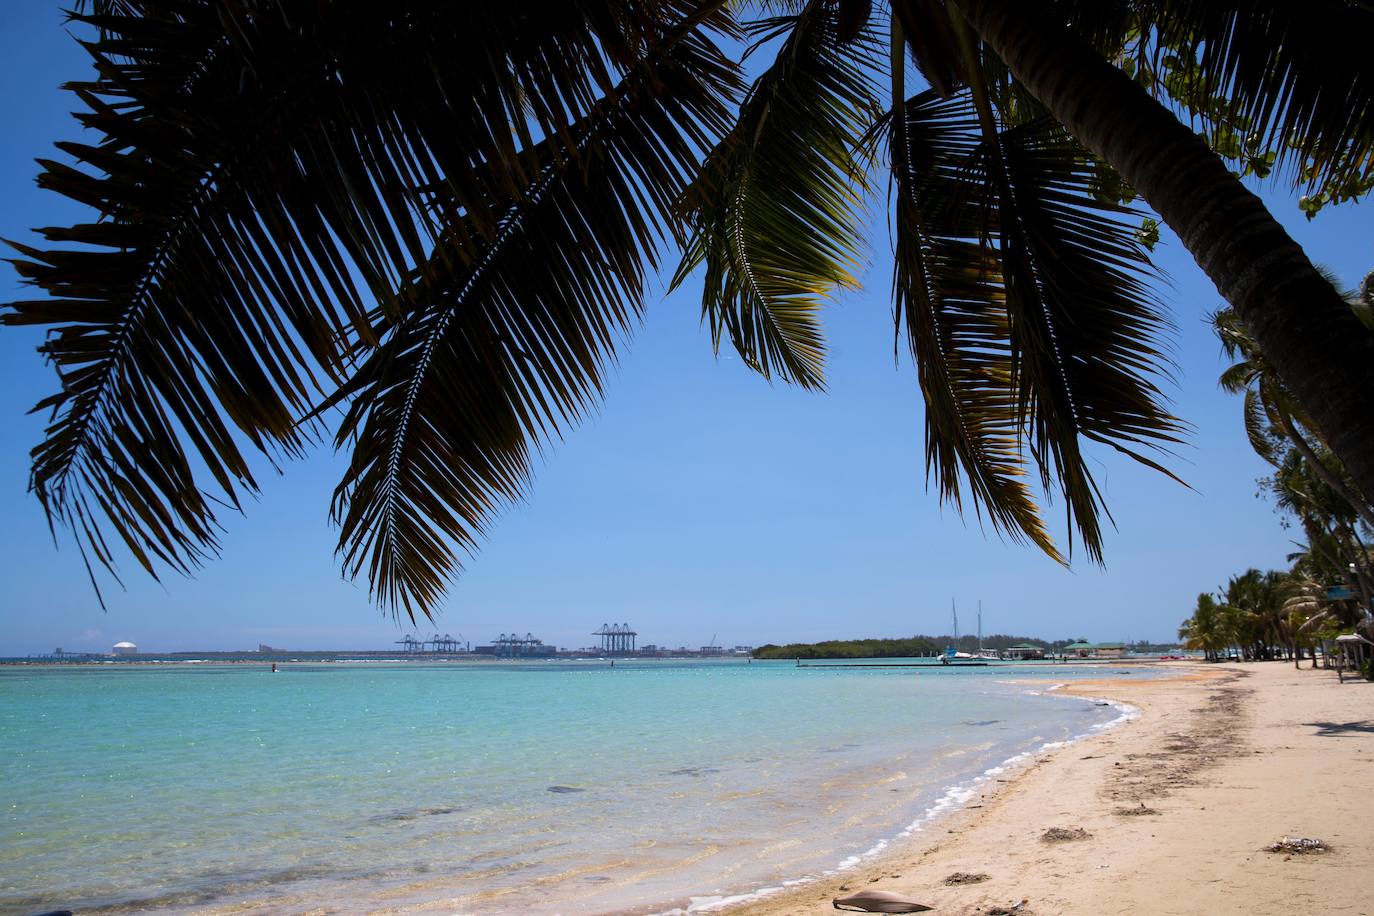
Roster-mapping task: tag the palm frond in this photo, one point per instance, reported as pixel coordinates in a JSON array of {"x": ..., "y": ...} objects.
[
  {"x": 494, "y": 358},
  {"x": 1079, "y": 339},
  {"x": 949, "y": 297},
  {"x": 774, "y": 215},
  {"x": 1252, "y": 372},
  {"x": 1085, "y": 332},
  {"x": 268, "y": 186},
  {"x": 1299, "y": 77},
  {"x": 1257, "y": 427}
]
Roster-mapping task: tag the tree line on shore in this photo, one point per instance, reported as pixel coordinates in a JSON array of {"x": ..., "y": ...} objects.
[
  {"x": 920, "y": 646},
  {"x": 1329, "y": 587}
]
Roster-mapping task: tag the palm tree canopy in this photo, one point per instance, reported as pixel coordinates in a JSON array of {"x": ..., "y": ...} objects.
[{"x": 423, "y": 228}]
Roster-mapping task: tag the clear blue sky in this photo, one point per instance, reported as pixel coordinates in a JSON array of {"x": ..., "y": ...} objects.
[{"x": 701, "y": 502}]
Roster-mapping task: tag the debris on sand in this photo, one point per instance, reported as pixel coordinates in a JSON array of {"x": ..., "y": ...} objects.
[
  {"x": 1298, "y": 844},
  {"x": 1063, "y": 834},
  {"x": 963, "y": 877},
  {"x": 1134, "y": 812},
  {"x": 878, "y": 902},
  {"x": 1016, "y": 909}
]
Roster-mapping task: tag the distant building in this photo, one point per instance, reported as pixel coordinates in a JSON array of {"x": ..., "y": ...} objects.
[
  {"x": 124, "y": 648},
  {"x": 1110, "y": 650},
  {"x": 1079, "y": 649},
  {"x": 1025, "y": 651}
]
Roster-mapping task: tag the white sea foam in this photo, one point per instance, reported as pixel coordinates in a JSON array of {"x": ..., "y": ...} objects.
[{"x": 953, "y": 798}]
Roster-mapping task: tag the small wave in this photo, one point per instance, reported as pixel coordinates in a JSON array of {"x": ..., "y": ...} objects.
[{"x": 954, "y": 797}]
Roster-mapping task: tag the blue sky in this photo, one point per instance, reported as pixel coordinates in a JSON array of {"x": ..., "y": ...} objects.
[{"x": 700, "y": 502}]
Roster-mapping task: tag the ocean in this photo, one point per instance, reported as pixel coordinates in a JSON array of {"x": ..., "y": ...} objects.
[{"x": 533, "y": 787}]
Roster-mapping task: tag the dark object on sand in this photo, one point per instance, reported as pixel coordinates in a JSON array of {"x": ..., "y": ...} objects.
[
  {"x": 55, "y": 913},
  {"x": 963, "y": 877},
  {"x": 564, "y": 790},
  {"x": 1016, "y": 909},
  {"x": 1062, "y": 834},
  {"x": 1134, "y": 812},
  {"x": 1298, "y": 844},
  {"x": 878, "y": 902}
]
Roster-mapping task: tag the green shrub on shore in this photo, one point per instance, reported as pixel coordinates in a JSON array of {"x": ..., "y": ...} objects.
[{"x": 851, "y": 648}]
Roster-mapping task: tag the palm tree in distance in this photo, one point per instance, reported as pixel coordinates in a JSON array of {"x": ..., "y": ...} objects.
[
  {"x": 1205, "y": 630},
  {"x": 437, "y": 217}
]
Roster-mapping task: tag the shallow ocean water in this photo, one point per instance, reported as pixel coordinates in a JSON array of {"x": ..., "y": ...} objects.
[{"x": 557, "y": 787}]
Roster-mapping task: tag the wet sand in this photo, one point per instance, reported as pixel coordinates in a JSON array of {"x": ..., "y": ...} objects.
[{"x": 1175, "y": 807}]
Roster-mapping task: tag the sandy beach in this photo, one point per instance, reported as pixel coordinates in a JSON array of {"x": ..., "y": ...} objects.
[{"x": 1177, "y": 808}]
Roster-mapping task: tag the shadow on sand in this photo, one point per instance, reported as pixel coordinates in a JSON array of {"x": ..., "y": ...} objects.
[{"x": 1342, "y": 729}]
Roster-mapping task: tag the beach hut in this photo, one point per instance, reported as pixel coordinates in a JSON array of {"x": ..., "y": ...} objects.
[
  {"x": 124, "y": 648},
  {"x": 1079, "y": 649},
  {"x": 1109, "y": 650},
  {"x": 1354, "y": 650},
  {"x": 1025, "y": 651}
]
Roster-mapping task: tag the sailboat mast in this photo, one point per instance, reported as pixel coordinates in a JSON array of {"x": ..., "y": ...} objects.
[{"x": 980, "y": 626}]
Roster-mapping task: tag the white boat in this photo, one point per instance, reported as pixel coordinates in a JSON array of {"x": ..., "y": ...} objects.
[
  {"x": 952, "y": 654},
  {"x": 990, "y": 655}
]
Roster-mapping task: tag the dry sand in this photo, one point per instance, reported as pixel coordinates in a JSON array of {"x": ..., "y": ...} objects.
[{"x": 1225, "y": 759}]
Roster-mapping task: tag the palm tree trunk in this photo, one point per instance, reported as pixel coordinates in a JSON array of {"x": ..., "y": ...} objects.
[{"x": 1323, "y": 353}]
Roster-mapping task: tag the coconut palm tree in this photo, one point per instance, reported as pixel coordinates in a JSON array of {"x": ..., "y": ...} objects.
[
  {"x": 1205, "y": 630},
  {"x": 1336, "y": 550},
  {"x": 437, "y": 217},
  {"x": 1269, "y": 407},
  {"x": 1305, "y": 609},
  {"x": 1252, "y": 612}
]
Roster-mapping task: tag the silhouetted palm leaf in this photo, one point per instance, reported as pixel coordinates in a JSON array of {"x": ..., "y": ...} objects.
[
  {"x": 436, "y": 215},
  {"x": 1300, "y": 74},
  {"x": 493, "y": 358},
  {"x": 270, "y": 184},
  {"x": 1085, "y": 333},
  {"x": 950, "y": 299},
  {"x": 775, "y": 212},
  {"x": 1053, "y": 337}
]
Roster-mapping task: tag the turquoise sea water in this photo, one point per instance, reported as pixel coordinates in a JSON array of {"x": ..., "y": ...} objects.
[{"x": 561, "y": 787}]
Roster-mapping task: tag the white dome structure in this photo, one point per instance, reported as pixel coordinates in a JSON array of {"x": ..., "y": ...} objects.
[{"x": 125, "y": 648}]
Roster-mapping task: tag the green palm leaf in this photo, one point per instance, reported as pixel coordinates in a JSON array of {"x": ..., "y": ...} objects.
[
  {"x": 268, "y": 185},
  {"x": 1258, "y": 426},
  {"x": 1053, "y": 338},
  {"x": 774, "y": 215},
  {"x": 1084, "y": 331},
  {"x": 950, "y": 300},
  {"x": 1298, "y": 77},
  {"x": 496, "y": 357}
]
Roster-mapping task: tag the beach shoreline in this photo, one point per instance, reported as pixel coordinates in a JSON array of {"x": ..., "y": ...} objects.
[{"x": 1272, "y": 751}]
